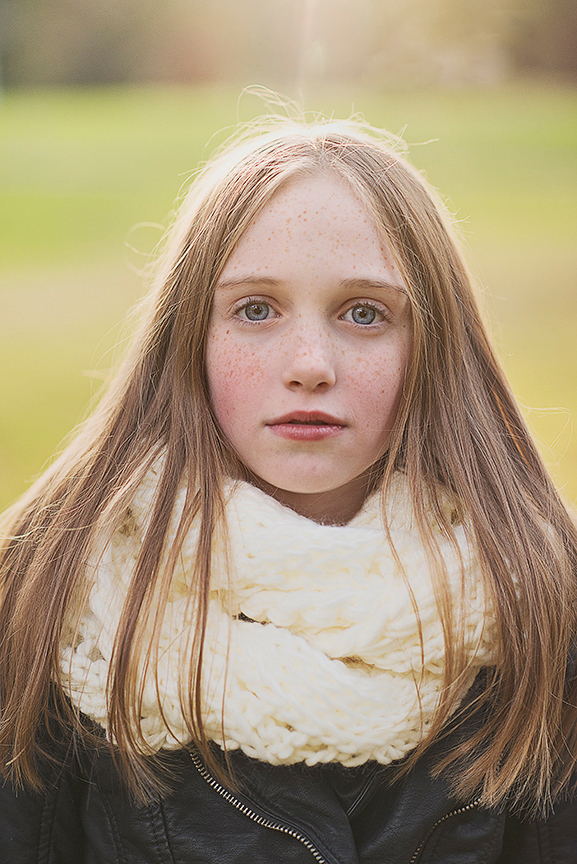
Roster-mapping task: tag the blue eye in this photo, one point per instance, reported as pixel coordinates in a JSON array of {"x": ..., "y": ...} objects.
[
  {"x": 362, "y": 313},
  {"x": 258, "y": 311}
]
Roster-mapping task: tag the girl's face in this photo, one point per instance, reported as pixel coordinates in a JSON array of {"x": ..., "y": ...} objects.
[{"x": 308, "y": 343}]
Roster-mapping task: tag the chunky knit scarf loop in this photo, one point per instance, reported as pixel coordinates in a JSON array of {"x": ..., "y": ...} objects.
[{"x": 322, "y": 645}]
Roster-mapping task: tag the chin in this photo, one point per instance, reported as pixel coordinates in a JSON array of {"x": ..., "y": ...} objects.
[{"x": 307, "y": 487}]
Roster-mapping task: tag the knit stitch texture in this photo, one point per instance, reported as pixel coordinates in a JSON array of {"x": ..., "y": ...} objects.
[{"x": 330, "y": 668}]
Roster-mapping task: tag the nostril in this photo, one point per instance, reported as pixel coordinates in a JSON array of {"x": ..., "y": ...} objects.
[{"x": 318, "y": 386}]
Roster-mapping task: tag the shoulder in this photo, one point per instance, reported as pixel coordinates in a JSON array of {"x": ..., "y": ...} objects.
[
  {"x": 542, "y": 841},
  {"x": 43, "y": 827}
]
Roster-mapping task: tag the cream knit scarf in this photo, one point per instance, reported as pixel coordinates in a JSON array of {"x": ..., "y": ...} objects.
[{"x": 329, "y": 665}]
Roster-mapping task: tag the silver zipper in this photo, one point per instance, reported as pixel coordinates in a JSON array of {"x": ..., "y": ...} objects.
[
  {"x": 440, "y": 822},
  {"x": 260, "y": 820}
]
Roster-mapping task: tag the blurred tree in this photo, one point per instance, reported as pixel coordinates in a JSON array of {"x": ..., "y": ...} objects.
[
  {"x": 77, "y": 41},
  {"x": 451, "y": 42},
  {"x": 545, "y": 37},
  {"x": 284, "y": 41}
]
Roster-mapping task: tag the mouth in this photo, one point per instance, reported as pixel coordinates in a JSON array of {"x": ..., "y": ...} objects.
[
  {"x": 307, "y": 418},
  {"x": 307, "y": 426}
]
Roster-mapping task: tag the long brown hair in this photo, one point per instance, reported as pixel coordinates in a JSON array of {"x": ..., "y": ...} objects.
[{"x": 457, "y": 428}]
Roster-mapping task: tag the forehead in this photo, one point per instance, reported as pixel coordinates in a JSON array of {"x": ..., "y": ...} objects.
[{"x": 317, "y": 220}]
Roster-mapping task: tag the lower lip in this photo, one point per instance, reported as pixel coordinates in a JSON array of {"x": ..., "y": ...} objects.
[{"x": 305, "y": 431}]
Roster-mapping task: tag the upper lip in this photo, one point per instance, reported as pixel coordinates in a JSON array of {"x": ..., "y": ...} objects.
[{"x": 307, "y": 417}]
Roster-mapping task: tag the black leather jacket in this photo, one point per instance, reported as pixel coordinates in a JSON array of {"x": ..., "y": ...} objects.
[{"x": 278, "y": 815}]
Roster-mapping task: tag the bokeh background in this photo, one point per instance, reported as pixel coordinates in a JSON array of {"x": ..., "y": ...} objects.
[{"x": 106, "y": 107}]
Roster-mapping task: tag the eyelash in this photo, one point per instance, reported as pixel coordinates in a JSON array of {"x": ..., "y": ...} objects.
[
  {"x": 251, "y": 301},
  {"x": 258, "y": 301},
  {"x": 384, "y": 315}
]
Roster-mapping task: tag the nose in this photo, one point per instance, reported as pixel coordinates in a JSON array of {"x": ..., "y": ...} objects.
[{"x": 309, "y": 361}]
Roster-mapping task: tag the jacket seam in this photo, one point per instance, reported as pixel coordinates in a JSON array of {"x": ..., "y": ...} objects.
[
  {"x": 46, "y": 828},
  {"x": 114, "y": 829},
  {"x": 365, "y": 791},
  {"x": 160, "y": 851},
  {"x": 545, "y": 844}
]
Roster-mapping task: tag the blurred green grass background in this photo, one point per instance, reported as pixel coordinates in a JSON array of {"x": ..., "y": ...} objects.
[{"x": 81, "y": 169}]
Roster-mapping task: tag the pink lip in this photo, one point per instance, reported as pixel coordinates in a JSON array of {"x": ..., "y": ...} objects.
[{"x": 306, "y": 426}]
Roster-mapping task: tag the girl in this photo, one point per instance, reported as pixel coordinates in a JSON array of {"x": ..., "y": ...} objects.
[{"x": 301, "y": 590}]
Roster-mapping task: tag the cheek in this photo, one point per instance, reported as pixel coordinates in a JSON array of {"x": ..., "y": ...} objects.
[
  {"x": 376, "y": 385},
  {"x": 235, "y": 377}
]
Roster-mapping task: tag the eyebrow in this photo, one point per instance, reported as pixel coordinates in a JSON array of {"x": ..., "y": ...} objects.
[
  {"x": 344, "y": 283},
  {"x": 247, "y": 280},
  {"x": 374, "y": 283}
]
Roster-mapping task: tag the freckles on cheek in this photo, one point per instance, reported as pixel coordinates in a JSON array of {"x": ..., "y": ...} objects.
[
  {"x": 233, "y": 375},
  {"x": 376, "y": 389}
]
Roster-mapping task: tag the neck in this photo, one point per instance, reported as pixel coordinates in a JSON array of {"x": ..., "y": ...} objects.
[{"x": 331, "y": 507}]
